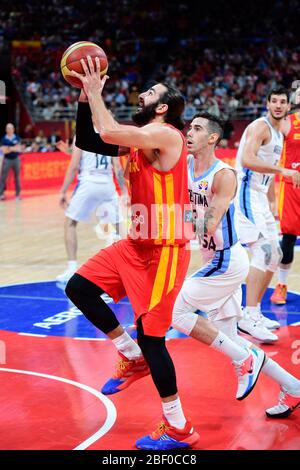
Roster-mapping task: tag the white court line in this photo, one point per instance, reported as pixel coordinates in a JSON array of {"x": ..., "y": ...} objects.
[
  {"x": 32, "y": 297},
  {"x": 90, "y": 339},
  {"x": 33, "y": 334},
  {"x": 23, "y": 282},
  {"x": 110, "y": 407}
]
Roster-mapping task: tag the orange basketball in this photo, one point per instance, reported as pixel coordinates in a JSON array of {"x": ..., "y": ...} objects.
[{"x": 71, "y": 60}]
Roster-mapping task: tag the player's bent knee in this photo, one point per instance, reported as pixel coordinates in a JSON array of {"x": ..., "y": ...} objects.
[
  {"x": 184, "y": 321},
  {"x": 276, "y": 256},
  {"x": 261, "y": 254}
]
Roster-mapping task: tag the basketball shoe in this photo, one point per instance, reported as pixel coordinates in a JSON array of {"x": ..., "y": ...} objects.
[
  {"x": 287, "y": 403},
  {"x": 127, "y": 371},
  {"x": 279, "y": 295},
  {"x": 248, "y": 371},
  {"x": 267, "y": 322},
  {"x": 167, "y": 437},
  {"x": 253, "y": 325}
]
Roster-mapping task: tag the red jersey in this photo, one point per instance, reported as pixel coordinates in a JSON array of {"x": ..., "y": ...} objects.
[
  {"x": 160, "y": 208},
  {"x": 291, "y": 150}
]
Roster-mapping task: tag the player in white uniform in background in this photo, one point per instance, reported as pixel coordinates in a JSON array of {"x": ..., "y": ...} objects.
[
  {"x": 257, "y": 159},
  {"x": 216, "y": 287},
  {"x": 95, "y": 192}
]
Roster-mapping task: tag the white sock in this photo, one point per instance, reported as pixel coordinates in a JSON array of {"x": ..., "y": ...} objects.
[
  {"x": 283, "y": 275},
  {"x": 270, "y": 368},
  {"x": 173, "y": 413},
  {"x": 251, "y": 311},
  {"x": 281, "y": 376},
  {"x": 127, "y": 346},
  {"x": 258, "y": 307},
  {"x": 72, "y": 264},
  {"x": 225, "y": 345}
]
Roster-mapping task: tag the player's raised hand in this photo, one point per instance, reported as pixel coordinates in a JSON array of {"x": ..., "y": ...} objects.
[{"x": 91, "y": 80}]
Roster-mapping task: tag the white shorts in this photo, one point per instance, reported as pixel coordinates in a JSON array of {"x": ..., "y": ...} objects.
[
  {"x": 216, "y": 288},
  {"x": 255, "y": 217},
  {"x": 90, "y": 197}
]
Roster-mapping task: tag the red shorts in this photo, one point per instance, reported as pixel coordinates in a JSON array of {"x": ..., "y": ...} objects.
[
  {"x": 151, "y": 276},
  {"x": 289, "y": 209}
]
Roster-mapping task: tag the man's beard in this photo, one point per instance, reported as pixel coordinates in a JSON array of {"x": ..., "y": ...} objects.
[
  {"x": 278, "y": 118},
  {"x": 145, "y": 115}
]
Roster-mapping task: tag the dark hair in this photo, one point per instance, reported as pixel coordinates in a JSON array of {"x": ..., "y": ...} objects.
[
  {"x": 278, "y": 91},
  {"x": 175, "y": 101},
  {"x": 215, "y": 124}
]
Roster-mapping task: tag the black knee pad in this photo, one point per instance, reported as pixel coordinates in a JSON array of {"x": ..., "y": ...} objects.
[
  {"x": 87, "y": 298},
  {"x": 160, "y": 363},
  {"x": 287, "y": 246}
]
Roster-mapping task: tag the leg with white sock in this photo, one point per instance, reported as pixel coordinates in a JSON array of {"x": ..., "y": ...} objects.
[
  {"x": 175, "y": 431},
  {"x": 270, "y": 367},
  {"x": 253, "y": 322},
  {"x": 199, "y": 328},
  {"x": 203, "y": 330},
  {"x": 70, "y": 236}
]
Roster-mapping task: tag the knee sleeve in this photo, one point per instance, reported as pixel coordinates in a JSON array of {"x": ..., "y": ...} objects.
[
  {"x": 160, "y": 363},
  {"x": 86, "y": 296},
  {"x": 261, "y": 253},
  {"x": 276, "y": 256},
  {"x": 287, "y": 246},
  {"x": 184, "y": 321}
]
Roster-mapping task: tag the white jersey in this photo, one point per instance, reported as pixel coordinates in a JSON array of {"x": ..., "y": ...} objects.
[
  {"x": 200, "y": 190},
  {"x": 269, "y": 153},
  {"x": 95, "y": 167}
]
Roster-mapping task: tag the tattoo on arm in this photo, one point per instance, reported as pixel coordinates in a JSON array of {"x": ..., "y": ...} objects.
[{"x": 209, "y": 214}]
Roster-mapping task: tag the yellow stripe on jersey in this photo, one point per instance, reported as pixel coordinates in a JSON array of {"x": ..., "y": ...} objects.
[
  {"x": 281, "y": 198},
  {"x": 158, "y": 196},
  {"x": 171, "y": 209},
  {"x": 160, "y": 278},
  {"x": 173, "y": 269},
  {"x": 283, "y": 155}
]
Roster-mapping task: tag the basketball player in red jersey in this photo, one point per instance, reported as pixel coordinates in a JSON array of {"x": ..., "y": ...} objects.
[
  {"x": 150, "y": 265},
  {"x": 289, "y": 201}
]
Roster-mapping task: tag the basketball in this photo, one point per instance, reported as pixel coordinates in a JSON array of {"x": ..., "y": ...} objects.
[{"x": 72, "y": 56}]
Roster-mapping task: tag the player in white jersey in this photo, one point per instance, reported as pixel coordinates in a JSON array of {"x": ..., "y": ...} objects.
[
  {"x": 95, "y": 193},
  {"x": 257, "y": 158},
  {"x": 216, "y": 287}
]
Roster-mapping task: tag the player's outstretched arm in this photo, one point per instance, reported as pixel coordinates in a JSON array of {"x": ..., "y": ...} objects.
[{"x": 148, "y": 137}]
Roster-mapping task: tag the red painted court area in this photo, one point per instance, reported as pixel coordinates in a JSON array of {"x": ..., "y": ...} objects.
[{"x": 50, "y": 397}]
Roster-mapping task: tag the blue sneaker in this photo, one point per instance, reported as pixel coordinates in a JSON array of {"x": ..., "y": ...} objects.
[
  {"x": 166, "y": 437},
  {"x": 127, "y": 371}
]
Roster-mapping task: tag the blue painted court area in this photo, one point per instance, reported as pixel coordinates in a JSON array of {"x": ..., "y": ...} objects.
[{"x": 43, "y": 309}]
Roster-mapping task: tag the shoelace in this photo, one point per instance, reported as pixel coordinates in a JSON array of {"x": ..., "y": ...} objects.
[
  {"x": 240, "y": 369},
  {"x": 161, "y": 429}
]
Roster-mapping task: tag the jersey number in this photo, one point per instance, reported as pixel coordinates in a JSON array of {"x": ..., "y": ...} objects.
[{"x": 101, "y": 160}]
